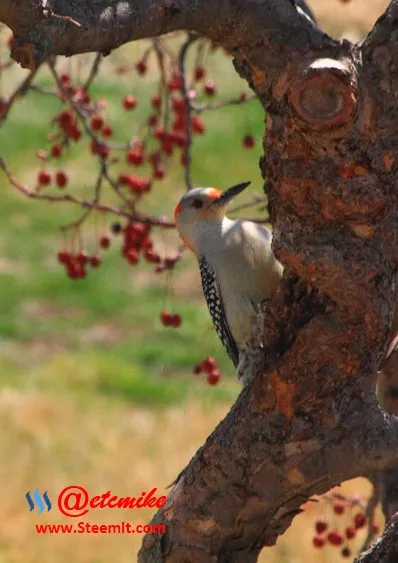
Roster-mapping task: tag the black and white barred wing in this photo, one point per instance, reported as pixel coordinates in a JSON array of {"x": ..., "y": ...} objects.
[{"x": 214, "y": 302}]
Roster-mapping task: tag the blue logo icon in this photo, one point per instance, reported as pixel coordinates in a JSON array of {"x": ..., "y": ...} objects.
[{"x": 39, "y": 502}]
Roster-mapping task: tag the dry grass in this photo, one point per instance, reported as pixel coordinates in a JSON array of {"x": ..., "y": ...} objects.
[{"x": 50, "y": 442}]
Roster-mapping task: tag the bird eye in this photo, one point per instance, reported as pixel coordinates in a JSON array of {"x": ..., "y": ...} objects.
[{"x": 198, "y": 203}]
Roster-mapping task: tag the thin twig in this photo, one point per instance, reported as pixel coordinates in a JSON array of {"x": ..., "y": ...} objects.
[
  {"x": 257, "y": 200},
  {"x": 199, "y": 108},
  {"x": 192, "y": 37},
  {"x": 68, "y": 198},
  {"x": 20, "y": 91},
  {"x": 97, "y": 192},
  {"x": 159, "y": 51},
  {"x": 93, "y": 71},
  {"x": 48, "y": 12}
]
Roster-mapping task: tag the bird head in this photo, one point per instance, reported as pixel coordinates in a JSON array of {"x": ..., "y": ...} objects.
[{"x": 202, "y": 204}]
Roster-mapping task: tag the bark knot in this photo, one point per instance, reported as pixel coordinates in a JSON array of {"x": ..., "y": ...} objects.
[{"x": 324, "y": 95}]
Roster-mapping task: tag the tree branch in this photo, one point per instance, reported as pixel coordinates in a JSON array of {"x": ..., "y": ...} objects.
[
  {"x": 107, "y": 24},
  {"x": 385, "y": 550},
  {"x": 311, "y": 419}
]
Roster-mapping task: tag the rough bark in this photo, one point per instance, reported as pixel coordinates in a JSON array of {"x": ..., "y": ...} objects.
[
  {"x": 107, "y": 24},
  {"x": 387, "y": 395},
  {"x": 312, "y": 419},
  {"x": 385, "y": 550}
]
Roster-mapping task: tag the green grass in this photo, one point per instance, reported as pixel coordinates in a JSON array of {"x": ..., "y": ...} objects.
[{"x": 47, "y": 321}]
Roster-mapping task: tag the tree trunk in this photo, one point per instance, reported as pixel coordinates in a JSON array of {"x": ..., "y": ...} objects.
[
  {"x": 312, "y": 419},
  {"x": 387, "y": 394}
]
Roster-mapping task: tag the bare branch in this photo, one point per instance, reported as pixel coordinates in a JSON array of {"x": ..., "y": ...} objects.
[
  {"x": 85, "y": 204},
  {"x": 185, "y": 94},
  {"x": 106, "y": 24}
]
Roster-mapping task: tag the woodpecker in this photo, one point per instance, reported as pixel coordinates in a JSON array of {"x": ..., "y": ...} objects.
[{"x": 237, "y": 267}]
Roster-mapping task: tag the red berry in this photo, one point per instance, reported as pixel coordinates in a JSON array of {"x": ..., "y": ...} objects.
[
  {"x": 95, "y": 261},
  {"x": 376, "y": 528},
  {"x": 129, "y": 102},
  {"x": 61, "y": 179},
  {"x": 105, "y": 241},
  {"x": 132, "y": 256},
  {"x": 175, "y": 82},
  {"x": 152, "y": 257},
  {"x": 359, "y": 520},
  {"x": 97, "y": 122},
  {"x": 335, "y": 538},
  {"x": 153, "y": 120},
  {"x": 139, "y": 185},
  {"x": 199, "y": 72},
  {"x": 82, "y": 258},
  {"x": 179, "y": 138},
  {"x": 3, "y": 108},
  {"x": 73, "y": 131},
  {"x": 197, "y": 369},
  {"x": 213, "y": 377},
  {"x": 197, "y": 125},
  {"x": 165, "y": 318},
  {"x": 56, "y": 151},
  {"x": 135, "y": 156},
  {"x": 159, "y": 172},
  {"x": 154, "y": 158},
  {"x": 338, "y": 508},
  {"x": 210, "y": 88},
  {"x": 320, "y": 526},
  {"x": 99, "y": 148},
  {"x": 107, "y": 130},
  {"x": 81, "y": 96},
  {"x": 156, "y": 101},
  {"x": 65, "y": 117},
  {"x": 146, "y": 244},
  {"x": 167, "y": 145},
  {"x": 76, "y": 271},
  {"x": 64, "y": 77},
  {"x": 208, "y": 364},
  {"x": 160, "y": 133},
  {"x": 63, "y": 257},
  {"x": 179, "y": 105},
  {"x": 141, "y": 67},
  {"x": 346, "y": 552},
  {"x": 123, "y": 178},
  {"x": 248, "y": 141},
  {"x": 175, "y": 321},
  {"x": 318, "y": 542},
  {"x": 44, "y": 178},
  {"x": 350, "y": 532}
]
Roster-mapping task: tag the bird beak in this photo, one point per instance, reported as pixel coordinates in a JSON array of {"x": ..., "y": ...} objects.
[{"x": 229, "y": 194}]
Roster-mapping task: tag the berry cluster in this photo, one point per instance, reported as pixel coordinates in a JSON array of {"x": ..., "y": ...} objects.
[
  {"x": 184, "y": 91},
  {"x": 169, "y": 319},
  {"x": 44, "y": 178},
  {"x": 136, "y": 241},
  {"x": 340, "y": 534},
  {"x": 209, "y": 367},
  {"x": 129, "y": 169},
  {"x": 76, "y": 264}
]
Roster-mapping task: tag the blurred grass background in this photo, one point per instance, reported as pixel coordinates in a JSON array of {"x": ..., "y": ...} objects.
[{"x": 93, "y": 389}]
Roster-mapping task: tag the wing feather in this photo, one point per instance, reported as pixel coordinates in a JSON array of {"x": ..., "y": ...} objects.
[{"x": 215, "y": 305}]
